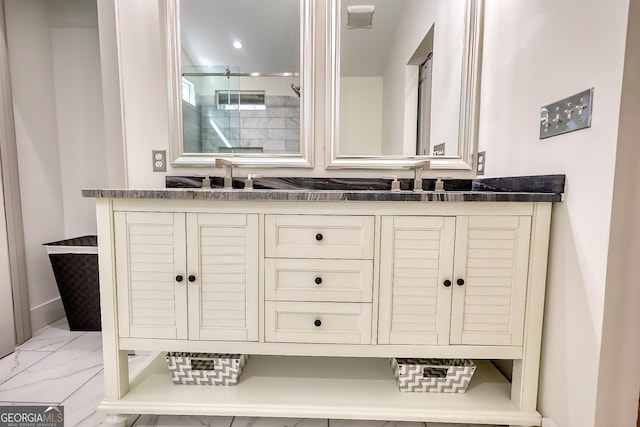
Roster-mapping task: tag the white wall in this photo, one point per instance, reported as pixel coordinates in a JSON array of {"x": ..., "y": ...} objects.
[
  {"x": 111, "y": 96},
  {"x": 80, "y": 123},
  {"x": 524, "y": 68},
  {"x": 30, "y": 62},
  {"x": 619, "y": 373},
  {"x": 55, "y": 71},
  {"x": 361, "y": 115},
  {"x": 144, "y": 93},
  {"x": 7, "y": 336}
]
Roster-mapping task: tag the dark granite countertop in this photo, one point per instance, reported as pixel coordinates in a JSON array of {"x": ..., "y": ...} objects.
[
  {"x": 544, "y": 188},
  {"x": 324, "y": 195}
]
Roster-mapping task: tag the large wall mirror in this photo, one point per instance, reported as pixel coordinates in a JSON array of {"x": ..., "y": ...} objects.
[
  {"x": 240, "y": 79},
  {"x": 403, "y": 82}
]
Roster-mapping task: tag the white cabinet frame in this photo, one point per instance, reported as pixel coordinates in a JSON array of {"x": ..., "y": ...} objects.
[{"x": 491, "y": 401}]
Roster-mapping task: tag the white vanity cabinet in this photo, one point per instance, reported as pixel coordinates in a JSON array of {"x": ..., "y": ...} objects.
[
  {"x": 187, "y": 275},
  {"x": 321, "y": 294},
  {"x": 453, "y": 280}
]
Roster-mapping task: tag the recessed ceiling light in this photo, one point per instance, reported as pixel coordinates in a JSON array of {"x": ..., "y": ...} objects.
[{"x": 237, "y": 45}]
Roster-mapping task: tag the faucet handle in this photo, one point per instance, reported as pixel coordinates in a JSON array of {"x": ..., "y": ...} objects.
[
  {"x": 439, "y": 186},
  {"x": 248, "y": 183},
  {"x": 395, "y": 184},
  {"x": 206, "y": 180}
]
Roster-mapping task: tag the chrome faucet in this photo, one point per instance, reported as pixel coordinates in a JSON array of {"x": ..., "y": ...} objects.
[
  {"x": 228, "y": 173},
  {"x": 418, "y": 168}
]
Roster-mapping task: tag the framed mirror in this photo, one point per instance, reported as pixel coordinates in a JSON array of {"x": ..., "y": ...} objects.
[
  {"x": 241, "y": 77},
  {"x": 404, "y": 79}
]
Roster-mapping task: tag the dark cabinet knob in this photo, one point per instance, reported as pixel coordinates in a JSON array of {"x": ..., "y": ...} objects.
[
  {"x": 192, "y": 278},
  {"x": 179, "y": 278},
  {"x": 460, "y": 282},
  {"x": 447, "y": 283},
  {"x": 318, "y": 280},
  {"x": 319, "y": 237},
  {"x": 317, "y": 322}
]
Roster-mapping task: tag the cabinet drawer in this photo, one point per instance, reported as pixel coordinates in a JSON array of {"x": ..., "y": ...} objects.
[
  {"x": 319, "y": 236},
  {"x": 318, "y": 322},
  {"x": 318, "y": 280}
]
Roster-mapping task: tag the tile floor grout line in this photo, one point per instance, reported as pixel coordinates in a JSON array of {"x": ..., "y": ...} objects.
[
  {"x": 28, "y": 384},
  {"x": 62, "y": 348},
  {"x": 82, "y": 385},
  {"x": 58, "y": 349},
  {"x": 33, "y": 363}
]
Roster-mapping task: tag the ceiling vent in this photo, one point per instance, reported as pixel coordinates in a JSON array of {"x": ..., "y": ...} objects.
[{"x": 360, "y": 16}]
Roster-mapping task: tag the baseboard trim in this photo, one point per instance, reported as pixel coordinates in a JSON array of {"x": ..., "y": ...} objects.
[{"x": 46, "y": 313}]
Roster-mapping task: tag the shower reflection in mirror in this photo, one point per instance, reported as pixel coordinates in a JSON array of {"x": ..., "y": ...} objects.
[{"x": 239, "y": 94}]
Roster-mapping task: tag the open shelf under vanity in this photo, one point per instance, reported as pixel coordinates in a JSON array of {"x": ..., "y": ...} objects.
[{"x": 314, "y": 387}]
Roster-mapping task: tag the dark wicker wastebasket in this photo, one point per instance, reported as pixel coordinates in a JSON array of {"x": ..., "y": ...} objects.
[{"x": 75, "y": 266}]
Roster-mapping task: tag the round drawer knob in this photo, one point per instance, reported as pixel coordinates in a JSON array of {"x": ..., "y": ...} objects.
[
  {"x": 460, "y": 282},
  {"x": 318, "y": 280},
  {"x": 317, "y": 323},
  {"x": 447, "y": 283},
  {"x": 179, "y": 278},
  {"x": 319, "y": 237},
  {"x": 192, "y": 278}
]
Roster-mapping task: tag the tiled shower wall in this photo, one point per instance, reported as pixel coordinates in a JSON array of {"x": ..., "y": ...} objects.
[
  {"x": 191, "y": 128},
  {"x": 273, "y": 130}
]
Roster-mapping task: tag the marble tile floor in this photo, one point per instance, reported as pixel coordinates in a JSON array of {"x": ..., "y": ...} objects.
[{"x": 59, "y": 366}]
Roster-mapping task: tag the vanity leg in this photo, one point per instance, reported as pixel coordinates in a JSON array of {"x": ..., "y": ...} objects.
[
  {"x": 115, "y": 360},
  {"x": 116, "y": 420}
]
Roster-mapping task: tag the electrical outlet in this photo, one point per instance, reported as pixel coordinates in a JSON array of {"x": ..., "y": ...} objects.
[
  {"x": 480, "y": 162},
  {"x": 159, "y": 160}
]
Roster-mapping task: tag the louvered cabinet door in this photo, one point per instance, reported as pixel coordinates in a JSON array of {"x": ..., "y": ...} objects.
[
  {"x": 492, "y": 255},
  {"x": 222, "y": 255},
  {"x": 150, "y": 253},
  {"x": 415, "y": 260}
]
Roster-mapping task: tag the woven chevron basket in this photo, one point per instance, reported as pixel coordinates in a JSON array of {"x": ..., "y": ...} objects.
[
  {"x": 205, "y": 368},
  {"x": 433, "y": 375}
]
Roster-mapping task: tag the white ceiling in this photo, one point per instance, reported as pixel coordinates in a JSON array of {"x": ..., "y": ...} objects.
[{"x": 269, "y": 31}]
